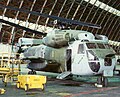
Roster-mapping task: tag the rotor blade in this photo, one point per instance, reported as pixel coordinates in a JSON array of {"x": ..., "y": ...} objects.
[
  {"x": 22, "y": 27},
  {"x": 69, "y": 21}
]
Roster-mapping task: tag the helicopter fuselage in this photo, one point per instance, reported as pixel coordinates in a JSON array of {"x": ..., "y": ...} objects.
[{"x": 80, "y": 58}]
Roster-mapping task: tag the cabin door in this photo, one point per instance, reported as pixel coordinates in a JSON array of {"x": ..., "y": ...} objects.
[{"x": 68, "y": 59}]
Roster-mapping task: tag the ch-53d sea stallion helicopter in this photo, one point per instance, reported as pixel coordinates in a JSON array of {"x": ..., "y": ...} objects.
[{"x": 69, "y": 52}]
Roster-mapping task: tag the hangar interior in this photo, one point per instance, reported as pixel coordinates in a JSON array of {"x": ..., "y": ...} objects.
[
  {"x": 105, "y": 13},
  {"x": 36, "y": 15}
]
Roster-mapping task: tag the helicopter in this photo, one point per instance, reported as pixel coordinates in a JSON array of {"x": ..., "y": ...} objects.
[
  {"x": 70, "y": 54},
  {"x": 67, "y": 51}
]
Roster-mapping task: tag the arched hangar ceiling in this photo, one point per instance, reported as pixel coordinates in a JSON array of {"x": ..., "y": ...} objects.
[{"x": 105, "y": 13}]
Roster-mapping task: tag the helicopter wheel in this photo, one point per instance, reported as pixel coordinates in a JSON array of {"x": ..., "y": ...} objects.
[
  {"x": 103, "y": 81},
  {"x": 99, "y": 80},
  {"x": 33, "y": 72},
  {"x": 29, "y": 72}
]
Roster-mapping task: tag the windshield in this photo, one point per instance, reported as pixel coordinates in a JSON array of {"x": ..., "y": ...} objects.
[
  {"x": 91, "y": 55},
  {"x": 107, "y": 46},
  {"x": 101, "y": 46},
  {"x": 91, "y": 45},
  {"x": 97, "y": 45}
]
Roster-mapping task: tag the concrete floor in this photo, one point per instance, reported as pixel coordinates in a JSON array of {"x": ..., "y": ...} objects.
[{"x": 80, "y": 87}]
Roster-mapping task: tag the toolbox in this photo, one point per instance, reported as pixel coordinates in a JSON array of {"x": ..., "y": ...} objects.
[{"x": 31, "y": 81}]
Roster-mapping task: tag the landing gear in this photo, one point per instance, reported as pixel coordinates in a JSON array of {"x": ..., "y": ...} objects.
[
  {"x": 102, "y": 82},
  {"x": 33, "y": 72},
  {"x": 105, "y": 82}
]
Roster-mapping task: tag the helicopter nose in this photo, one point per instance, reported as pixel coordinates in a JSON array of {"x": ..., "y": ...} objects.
[{"x": 95, "y": 66}]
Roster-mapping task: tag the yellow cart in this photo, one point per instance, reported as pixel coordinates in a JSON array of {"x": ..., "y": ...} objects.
[{"x": 31, "y": 81}]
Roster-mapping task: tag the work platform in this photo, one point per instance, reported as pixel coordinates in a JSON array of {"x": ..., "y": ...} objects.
[{"x": 9, "y": 67}]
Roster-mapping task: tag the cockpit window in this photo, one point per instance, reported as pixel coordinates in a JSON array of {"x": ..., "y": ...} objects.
[
  {"x": 107, "y": 46},
  {"x": 81, "y": 49},
  {"x": 91, "y": 55},
  {"x": 91, "y": 45},
  {"x": 101, "y": 46}
]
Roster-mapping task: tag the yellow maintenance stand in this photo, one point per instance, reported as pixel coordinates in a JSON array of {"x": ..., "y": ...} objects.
[
  {"x": 9, "y": 67},
  {"x": 31, "y": 82}
]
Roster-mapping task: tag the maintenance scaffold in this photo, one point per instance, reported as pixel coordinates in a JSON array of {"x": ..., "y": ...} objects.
[{"x": 9, "y": 67}]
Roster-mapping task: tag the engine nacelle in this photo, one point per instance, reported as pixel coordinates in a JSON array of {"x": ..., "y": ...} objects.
[{"x": 57, "y": 38}]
